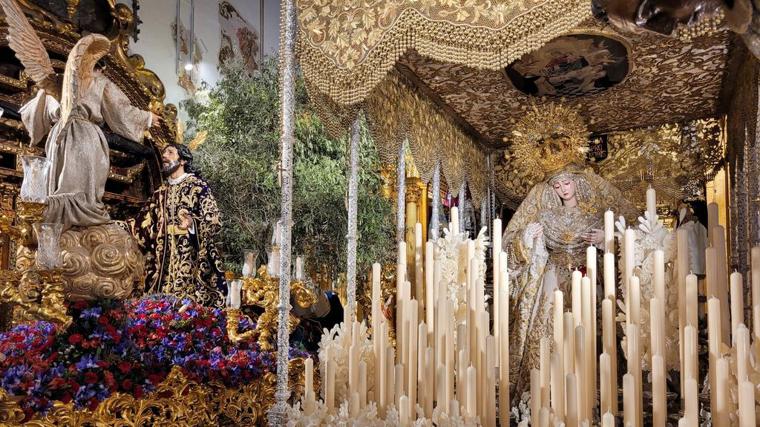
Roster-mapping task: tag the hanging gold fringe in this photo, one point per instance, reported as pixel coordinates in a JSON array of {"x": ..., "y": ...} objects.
[{"x": 346, "y": 48}]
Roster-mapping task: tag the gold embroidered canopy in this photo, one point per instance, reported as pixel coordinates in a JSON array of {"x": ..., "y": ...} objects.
[{"x": 450, "y": 74}]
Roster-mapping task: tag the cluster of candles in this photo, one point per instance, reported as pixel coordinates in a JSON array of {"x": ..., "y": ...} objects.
[
  {"x": 430, "y": 365},
  {"x": 460, "y": 374}
]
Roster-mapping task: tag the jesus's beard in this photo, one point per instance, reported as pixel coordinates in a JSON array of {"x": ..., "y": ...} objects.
[{"x": 170, "y": 168}]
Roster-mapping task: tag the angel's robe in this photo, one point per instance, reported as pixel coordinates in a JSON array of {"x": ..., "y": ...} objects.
[
  {"x": 78, "y": 148},
  {"x": 182, "y": 262}
]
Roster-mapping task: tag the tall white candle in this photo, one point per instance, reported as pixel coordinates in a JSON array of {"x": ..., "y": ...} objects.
[
  {"x": 330, "y": 400},
  {"x": 545, "y": 368},
  {"x": 659, "y": 274},
  {"x": 635, "y": 300},
  {"x": 569, "y": 343},
  {"x": 589, "y": 336},
  {"x": 557, "y": 386},
  {"x": 362, "y": 384},
  {"x": 419, "y": 274},
  {"x": 692, "y": 307},
  {"x": 629, "y": 400},
  {"x": 454, "y": 224},
  {"x": 659, "y": 402},
  {"x": 471, "y": 391},
  {"x": 604, "y": 382},
  {"x": 682, "y": 245},
  {"x": 737, "y": 300},
  {"x": 503, "y": 316},
  {"x": 651, "y": 203},
  {"x": 722, "y": 397},
  {"x": 714, "y": 341},
  {"x": 609, "y": 344},
  {"x": 634, "y": 369},
  {"x": 609, "y": 275},
  {"x": 747, "y": 404},
  {"x": 576, "y": 295},
  {"x": 571, "y": 391},
  {"x": 656, "y": 327},
  {"x": 591, "y": 271},
  {"x": 496, "y": 268},
  {"x": 609, "y": 232},
  {"x": 691, "y": 411},
  {"x": 411, "y": 367},
  {"x": 580, "y": 372},
  {"x": 430, "y": 289},
  {"x": 608, "y": 420},
  {"x": 404, "y": 416},
  {"x": 535, "y": 393},
  {"x": 629, "y": 264},
  {"x": 742, "y": 352}
]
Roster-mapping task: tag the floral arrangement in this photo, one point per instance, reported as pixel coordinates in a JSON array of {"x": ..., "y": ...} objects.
[
  {"x": 651, "y": 236},
  {"x": 124, "y": 346},
  {"x": 448, "y": 250}
]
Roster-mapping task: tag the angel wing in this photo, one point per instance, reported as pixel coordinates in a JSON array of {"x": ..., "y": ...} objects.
[{"x": 24, "y": 41}]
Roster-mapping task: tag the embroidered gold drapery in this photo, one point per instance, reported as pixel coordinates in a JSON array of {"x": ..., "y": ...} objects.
[
  {"x": 396, "y": 112},
  {"x": 346, "y": 48}
]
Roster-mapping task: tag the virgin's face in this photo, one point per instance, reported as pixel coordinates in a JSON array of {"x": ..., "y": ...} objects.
[{"x": 565, "y": 188}]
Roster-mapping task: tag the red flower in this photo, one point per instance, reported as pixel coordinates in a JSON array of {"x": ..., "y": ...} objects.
[
  {"x": 109, "y": 380},
  {"x": 80, "y": 304},
  {"x": 75, "y": 339},
  {"x": 139, "y": 392},
  {"x": 92, "y": 404},
  {"x": 90, "y": 377},
  {"x": 125, "y": 367},
  {"x": 126, "y": 384},
  {"x": 66, "y": 398},
  {"x": 155, "y": 379}
]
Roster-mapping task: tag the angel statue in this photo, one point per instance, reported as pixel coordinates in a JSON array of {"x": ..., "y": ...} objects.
[
  {"x": 75, "y": 145},
  {"x": 547, "y": 237}
]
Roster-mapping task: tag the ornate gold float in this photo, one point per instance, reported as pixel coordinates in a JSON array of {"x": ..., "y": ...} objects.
[{"x": 177, "y": 402}]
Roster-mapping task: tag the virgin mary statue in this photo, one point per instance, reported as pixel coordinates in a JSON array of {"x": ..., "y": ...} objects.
[{"x": 547, "y": 237}]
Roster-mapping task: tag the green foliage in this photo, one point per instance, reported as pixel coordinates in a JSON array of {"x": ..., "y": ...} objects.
[{"x": 239, "y": 160}]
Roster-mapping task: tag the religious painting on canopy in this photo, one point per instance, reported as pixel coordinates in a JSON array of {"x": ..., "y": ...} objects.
[
  {"x": 571, "y": 66},
  {"x": 239, "y": 38}
]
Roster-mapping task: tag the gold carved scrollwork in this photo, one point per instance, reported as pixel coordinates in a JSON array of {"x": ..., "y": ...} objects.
[
  {"x": 263, "y": 291},
  {"x": 177, "y": 401}
]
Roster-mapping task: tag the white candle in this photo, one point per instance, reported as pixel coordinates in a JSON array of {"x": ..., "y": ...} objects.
[
  {"x": 411, "y": 364},
  {"x": 589, "y": 336},
  {"x": 390, "y": 382},
  {"x": 659, "y": 275},
  {"x": 651, "y": 203},
  {"x": 236, "y": 287},
  {"x": 591, "y": 271},
  {"x": 535, "y": 395},
  {"x": 471, "y": 391},
  {"x": 454, "y": 224},
  {"x": 308, "y": 397},
  {"x": 609, "y": 275},
  {"x": 747, "y": 404},
  {"x": 604, "y": 382},
  {"x": 497, "y": 299},
  {"x": 690, "y": 349},
  {"x": 656, "y": 326},
  {"x": 571, "y": 388},
  {"x": 608, "y": 420},
  {"x": 742, "y": 352},
  {"x": 545, "y": 368},
  {"x": 399, "y": 386},
  {"x": 580, "y": 372},
  {"x": 422, "y": 381},
  {"x": 404, "y": 411},
  {"x": 714, "y": 341},
  {"x": 721, "y": 394},
  {"x": 429, "y": 381},
  {"x": 381, "y": 391},
  {"x": 569, "y": 343},
  {"x": 692, "y": 307},
  {"x": 430, "y": 286},
  {"x": 691, "y": 411},
  {"x": 629, "y": 264},
  {"x": 737, "y": 300},
  {"x": 659, "y": 402},
  {"x": 682, "y": 244},
  {"x": 559, "y": 321},
  {"x": 629, "y": 400},
  {"x": 576, "y": 295},
  {"x": 419, "y": 274},
  {"x": 609, "y": 345},
  {"x": 634, "y": 293},
  {"x": 503, "y": 317},
  {"x": 330, "y": 385},
  {"x": 634, "y": 369},
  {"x": 609, "y": 232},
  {"x": 557, "y": 386},
  {"x": 249, "y": 263}
]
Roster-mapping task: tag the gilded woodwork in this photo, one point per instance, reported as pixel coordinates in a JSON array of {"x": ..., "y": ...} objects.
[{"x": 177, "y": 401}]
